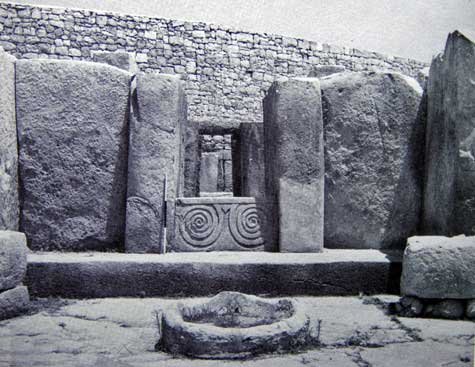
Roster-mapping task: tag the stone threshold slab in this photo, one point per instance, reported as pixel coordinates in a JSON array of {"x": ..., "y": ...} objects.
[{"x": 98, "y": 275}]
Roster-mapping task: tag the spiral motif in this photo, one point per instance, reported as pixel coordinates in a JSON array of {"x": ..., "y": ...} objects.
[
  {"x": 200, "y": 226},
  {"x": 245, "y": 223}
]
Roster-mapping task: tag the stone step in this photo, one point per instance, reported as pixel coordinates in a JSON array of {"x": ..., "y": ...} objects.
[{"x": 98, "y": 275}]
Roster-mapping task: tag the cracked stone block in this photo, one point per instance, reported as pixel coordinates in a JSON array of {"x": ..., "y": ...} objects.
[
  {"x": 13, "y": 302},
  {"x": 439, "y": 267},
  {"x": 72, "y": 121},
  {"x": 13, "y": 251},
  {"x": 374, "y": 139},
  {"x": 121, "y": 60},
  {"x": 158, "y": 117},
  {"x": 10, "y": 207},
  {"x": 294, "y": 165},
  {"x": 449, "y": 193}
]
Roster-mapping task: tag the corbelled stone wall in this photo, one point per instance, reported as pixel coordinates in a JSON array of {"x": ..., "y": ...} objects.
[{"x": 227, "y": 71}]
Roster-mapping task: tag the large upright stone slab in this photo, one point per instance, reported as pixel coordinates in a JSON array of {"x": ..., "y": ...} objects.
[
  {"x": 191, "y": 170},
  {"x": 439, "y": 267},
  {"x": 72, "y": 129},
  {"x": 155, "y": 151},
  {"x": 9, "y": 207},
  {"x": 294, "y": 165},
  {"x": 12, "y": 259},
  {"x": 209, "y": 163},
  {"x": 373, "y": 159},
  {"x": 252, "y": 160},
  {"x": 449, "y": 193}
]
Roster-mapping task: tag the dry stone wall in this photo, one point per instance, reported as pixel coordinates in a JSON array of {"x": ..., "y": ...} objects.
[{"x": 227, "y": 71}]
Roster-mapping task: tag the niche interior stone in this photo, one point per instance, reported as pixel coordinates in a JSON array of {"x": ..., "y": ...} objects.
[{"x": 234, "y": 325}]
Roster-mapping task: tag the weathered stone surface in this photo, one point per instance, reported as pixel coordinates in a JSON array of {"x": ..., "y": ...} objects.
[
  {"x": 449, "y": 193},
  {"x": 12, "y": 259},
  {"x": 294, "y": 165},
  {"x": 219, "y": 223},
  {"x": 13, "y": 302},
  {"x": 439, "y": 267},
  {"x": 191, "y": 161},
  {"x": 470, "y": 311},
  {"x": 209, "y": 172},
  {"x": 72, "y": 130},
  {"x": 10, "y": 207},
  {"x": 155, "y": 151},
  {"x": 121, "y": 60},
  {"x": 234, "y": 325},
  {"x": 373, "y": 159},
  {"x": 252, "y": 160},
  {"x": 448, "y": 309},
  {"x": 320, "y": 71}
]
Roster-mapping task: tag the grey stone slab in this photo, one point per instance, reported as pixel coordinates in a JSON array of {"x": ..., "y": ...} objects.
[
  {"x": 223, "y": 223},
  {"x": 439, "y": 267},
  {"x": 252, "y": 160},
  {"x": 332, "y": 272},
  {"x": 10, "y": 207},
  {"x": 72, "y": 132},
  {"x": 294, "y": 165},
  {"x": 13, "y": 302},
  {"x": 155, "y": 150},
  {"x": 12, "y": 259},
  {"x": 449, "y": 191},
  {"x": 209, "y": 172},
  {"x": 191, "y": 161},
  {"x": 373, "y": 159},
  {"x": 119, "y": 59}
]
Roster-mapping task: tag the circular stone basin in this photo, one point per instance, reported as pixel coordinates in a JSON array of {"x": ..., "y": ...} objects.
[{"x": 234, "y": 325}]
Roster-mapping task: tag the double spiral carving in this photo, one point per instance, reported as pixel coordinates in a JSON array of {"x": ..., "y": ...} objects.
[
  {"x": 200, "y": 226},
  {"x": 246, "y": 222}
]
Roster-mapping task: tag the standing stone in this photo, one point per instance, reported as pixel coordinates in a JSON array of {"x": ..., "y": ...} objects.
[
  {"x": 449, "y": 193},
  {"x": 209, "y": 172},
  {"x": 13, "y": 302},
  {"x": 294, "y": 164},
  {"x": 252, "y": 160},
  {"x": 155, "y": 150},
  {"x": 119, "y": 59},
  {"x": 12, "y": 259},
  {"x": 72, "y": 129},
  {"x": 373, "y": 159},
  {"x": 439, "y": 267},
  {"x": 192, "y": 161},
  {"x": 9, "y": 207}
]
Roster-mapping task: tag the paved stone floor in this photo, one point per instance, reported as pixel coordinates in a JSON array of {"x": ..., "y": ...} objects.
[{"x": 121, "y": 332}]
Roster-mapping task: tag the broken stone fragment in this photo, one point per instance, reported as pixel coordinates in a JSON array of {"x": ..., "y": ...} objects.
[
  {"x": 121, "y": 60},
  {"x": 470, "y": 311},
  {"x": 12, "y": 259},
  {"x": 439, "y": 267},
  {"x": 448, "y": 309},
  {"x": 13, "y": 302}
]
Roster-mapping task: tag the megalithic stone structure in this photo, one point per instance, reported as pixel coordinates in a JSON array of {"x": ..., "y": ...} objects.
[
  {"x": 294, "y": 165},
  {"x": 158, "y": 116},
  {"x": 449, "y": 192},
  {"x": 10, "y": 206},
  {"x": 252, "y": 160}
]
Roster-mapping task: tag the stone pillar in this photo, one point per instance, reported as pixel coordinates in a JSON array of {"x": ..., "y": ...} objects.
[
  {"x": 191, "y": 161},
  {"x": 449, "y": 192},
  {"x": 252, "y": 160},
  {"x": 157, "y": 124},
  {"x": 9, "y": 207},
  {"x": 209, "y": 172},
  {"x": 294, "y": 164}
]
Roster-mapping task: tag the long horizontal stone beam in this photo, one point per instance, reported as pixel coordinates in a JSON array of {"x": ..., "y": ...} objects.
[{"x": 97, "y": 275}]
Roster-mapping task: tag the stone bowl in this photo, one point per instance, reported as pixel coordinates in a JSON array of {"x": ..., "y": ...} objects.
[{"x": 233, "y": 325}]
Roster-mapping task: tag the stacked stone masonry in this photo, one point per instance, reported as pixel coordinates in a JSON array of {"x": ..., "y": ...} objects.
[{"x": 227, "y": 71}]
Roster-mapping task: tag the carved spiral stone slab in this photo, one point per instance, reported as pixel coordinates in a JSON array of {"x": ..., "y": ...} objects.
[
  {"x": 245, "y": 224},
  {"x": 200, "y": 225}
]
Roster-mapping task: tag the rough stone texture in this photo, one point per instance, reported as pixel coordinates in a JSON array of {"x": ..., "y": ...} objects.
[
  {"x": 13, "y": 302},
  {"x": 439, "y": 267},
  {"x": 219, "y": 224},
  {"x": 228, "y": 70},
  {"x": 294, "y": 165},
  {"x": 470, "y": 311},
  {"x": 72, "y": 133},
  {"x": 252, "y": 160},
  {"x": 448, "y": 309},
  {"x": 12, "y": 259},
  {"x": 10, "y": 207},
  {"x": 121, "y": 60},
  {"x": 332, "y": 272},
  {"x": 192, "y": 161},
  {"x": 373, "y": 159},
  {"x": 157, "y": 126},
  {"x": 209, "y": 172},
  {"x": 320, "y": 71},
  {"x": 235, "y": 325},
  {"x": 449, "y": 193}
]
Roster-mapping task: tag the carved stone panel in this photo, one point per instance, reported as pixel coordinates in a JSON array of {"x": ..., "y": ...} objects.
[{"x": 218, "y": 224}]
